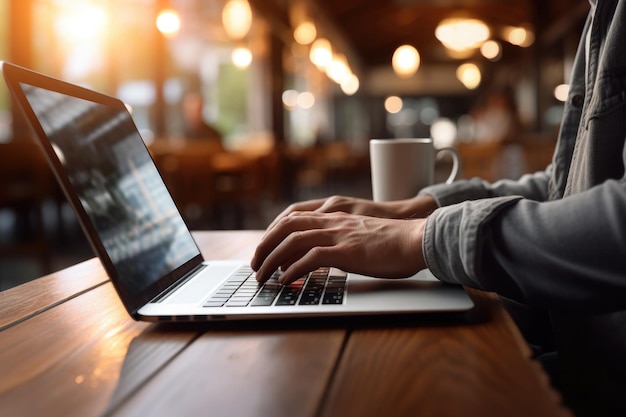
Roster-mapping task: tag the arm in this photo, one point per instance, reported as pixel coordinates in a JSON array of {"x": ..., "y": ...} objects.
[
  {"x": 530, "y": 186},
  {"x": 304, "y": 241},
  {"x": 565, "y": 254},
  {"x": 344, "y": 232},
  {"x": 316, "y": 233}
]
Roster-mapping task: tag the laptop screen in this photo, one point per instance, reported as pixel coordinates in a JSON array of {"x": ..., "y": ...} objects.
[{"x": 117, "y": 184}]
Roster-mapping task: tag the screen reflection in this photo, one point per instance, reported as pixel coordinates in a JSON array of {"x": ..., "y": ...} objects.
[{"x": 118, "y": 186}]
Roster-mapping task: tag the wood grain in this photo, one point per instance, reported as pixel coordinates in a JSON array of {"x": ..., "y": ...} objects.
[
  {"x": 67, "y": 361},
  {"x": 20, "y": 303},
  {"x": 481, "y": 369},
  {"x": 248, "y": 373}
]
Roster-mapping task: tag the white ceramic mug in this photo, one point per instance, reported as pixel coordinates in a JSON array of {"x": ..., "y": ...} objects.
[{"x": 402, "y": 167}]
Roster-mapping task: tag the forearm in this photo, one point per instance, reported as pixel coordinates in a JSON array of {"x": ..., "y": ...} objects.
[
  {"x": 566, "y": 254},
  {"x": 530, "y": 186}
]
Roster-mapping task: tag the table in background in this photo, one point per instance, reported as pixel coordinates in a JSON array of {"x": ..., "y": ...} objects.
[{"x": 68, "y": 348}]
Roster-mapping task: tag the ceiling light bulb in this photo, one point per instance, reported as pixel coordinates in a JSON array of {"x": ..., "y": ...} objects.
[
  {"x": 491, "y": 50},
  {"x": 168, "y": 22},
  {"x": 393, "y": 104},
  {"x": 321, "y": 53},
  {"x": 305, "y": 33},
  {"x": 469, "y": 75},
  {"x": 350, "y": 85},
  {"x": 460, "y": 34},
  {"x": 405, "y": 61},
  {"x": 338, "y": 69},
  {"x": 237, "y": 18},
  {"x": 518, "y": 35},
  {"x": 241, "y": 57}
]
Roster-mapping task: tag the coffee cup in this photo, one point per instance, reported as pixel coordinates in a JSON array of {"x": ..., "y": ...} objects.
[{"x": 400, "y": 168}]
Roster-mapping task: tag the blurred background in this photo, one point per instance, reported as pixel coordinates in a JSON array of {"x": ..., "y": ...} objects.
[{"x": 248, "y": 105}]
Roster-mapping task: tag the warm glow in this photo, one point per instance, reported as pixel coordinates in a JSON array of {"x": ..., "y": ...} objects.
[
  {"x": 290, "y": 99},
  {"x": 561, "y": 92},
  {"x": 469, "y": 75},
  {"x": 306, "y": 100},
  {"x": 350, "y": 85},
  {"x": 393, "y": 104},
  {"x": 81, "y": 29},
  {"x": 237, "y": 18},
  {"x": 338, "y": 69},
  {"x": 168, "y": 22},
  {"x": 241, "y": 57},
  {"x": 444, "y": 132},
  {"x": 81, "y": 23},
  {"x": 305, "y": 33},
  {"x": 519, "y": 36},
  {"x": 321, "y": 53},
  {"x": 405, "y": 61},
  {"x": 491, "y": 50},
  {"x": 460, "y": 34}
]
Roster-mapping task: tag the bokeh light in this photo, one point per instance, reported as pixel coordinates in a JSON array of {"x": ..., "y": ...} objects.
[{"x": 393, "y": 104}]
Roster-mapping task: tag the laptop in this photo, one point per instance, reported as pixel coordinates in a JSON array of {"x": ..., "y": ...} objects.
[{"x": 144, "y": 244}]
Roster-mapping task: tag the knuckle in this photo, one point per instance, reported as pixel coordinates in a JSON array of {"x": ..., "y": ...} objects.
[
  {"x": 338, "y": 201},
  {"x": 297, "y": 236},
  {"x": 285, "y": 221},
  {"x": 334, "y": 199},
  {"x": 317, "y": 252}
]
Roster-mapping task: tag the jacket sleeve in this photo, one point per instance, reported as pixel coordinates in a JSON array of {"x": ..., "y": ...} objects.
[
  {"x": 564, "y": 254},
  {"x": 531, "y": 186}
]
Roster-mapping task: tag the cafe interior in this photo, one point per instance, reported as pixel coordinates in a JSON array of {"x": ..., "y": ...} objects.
[{"x": 249, "y": 105}]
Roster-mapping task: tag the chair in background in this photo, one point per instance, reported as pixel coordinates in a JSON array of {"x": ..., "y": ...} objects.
[
  {"x": 25, "y": 184},
  {"x": 481, "y": 159},
  {"x": 210, "y": 185}
]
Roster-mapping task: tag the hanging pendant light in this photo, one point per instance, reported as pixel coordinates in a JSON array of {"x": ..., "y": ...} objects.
[
  {"x": 241, "y": 57},
  {"x": 469, "y": 74},
  {"x": 168, "y": 22},
  {"x": 305, "y": 33},
  {"x": 237, "y": 18},
  {"x": 461, "y": 34},
  {"x": 405, "y": 61},
  {"x": 321, "y": 53}
]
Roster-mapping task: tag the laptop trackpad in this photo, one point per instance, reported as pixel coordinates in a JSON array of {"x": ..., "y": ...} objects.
[{"x": 200, "y": 286}]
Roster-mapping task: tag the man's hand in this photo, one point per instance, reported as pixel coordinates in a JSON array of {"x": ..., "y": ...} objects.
[
  {"x": 300, "y": 242},
  {"x": 414, "y": 208}
]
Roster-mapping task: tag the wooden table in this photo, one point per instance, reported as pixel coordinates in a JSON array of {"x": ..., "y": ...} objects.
[{"x": 68, "y": 348}]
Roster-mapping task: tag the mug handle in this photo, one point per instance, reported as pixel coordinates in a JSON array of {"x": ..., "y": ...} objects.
[{"x": 456, "y": 162}]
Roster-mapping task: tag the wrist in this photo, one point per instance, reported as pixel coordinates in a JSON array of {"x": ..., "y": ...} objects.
[{"x": 413, "y": 208}]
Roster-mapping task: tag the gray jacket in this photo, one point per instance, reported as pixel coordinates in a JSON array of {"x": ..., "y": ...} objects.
[{"x": 557, "y": 239}]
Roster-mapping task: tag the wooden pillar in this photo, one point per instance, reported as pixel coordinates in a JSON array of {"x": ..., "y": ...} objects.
[
  {"x": 277, "y": 80},
  {"x": 20, "y": 32},
  {"x": 276, "y": 14},
  {"x": 160, "y": 75},
  {"x": 20, "y": 53}
]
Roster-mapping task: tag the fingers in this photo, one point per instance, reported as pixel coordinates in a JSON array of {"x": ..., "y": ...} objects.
[
  {"x": 310, "y": 261},
  {"x": 324, "y": 205},
  {"x": 310, "y": 205},
  {"x": 304, "y": 241},
  {"x": 289, "y": 241}
]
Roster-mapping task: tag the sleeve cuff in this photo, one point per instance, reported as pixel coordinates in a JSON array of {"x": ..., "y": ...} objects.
[
  {"x": 454, "y": 238},
  {"x": 458, "y": 191}
]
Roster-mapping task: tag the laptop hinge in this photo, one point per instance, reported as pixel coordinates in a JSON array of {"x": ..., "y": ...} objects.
[{"x": 182, "y": 281}]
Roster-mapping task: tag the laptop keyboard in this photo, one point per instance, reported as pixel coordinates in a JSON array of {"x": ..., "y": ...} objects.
[{"x": 324, "y": 286}]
